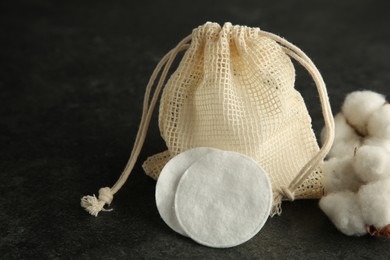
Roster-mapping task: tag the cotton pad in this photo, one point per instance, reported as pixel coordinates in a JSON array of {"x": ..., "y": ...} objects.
[
  {"x": 223, "y": 199},
  {"x": 167, "y": 183}
]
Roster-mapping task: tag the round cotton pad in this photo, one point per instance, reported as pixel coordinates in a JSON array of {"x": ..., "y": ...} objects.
[
  {"x": 167, "y": 183},
  {"x": 223, "y": 199}
]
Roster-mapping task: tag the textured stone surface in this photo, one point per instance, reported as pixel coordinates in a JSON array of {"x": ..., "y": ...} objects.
[{"x": 72, "y": 77}]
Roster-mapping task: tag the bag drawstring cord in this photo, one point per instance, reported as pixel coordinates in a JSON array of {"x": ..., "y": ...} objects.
[
  {"x": 297, "y": 54},
  {"x": 94, "y": 205}
]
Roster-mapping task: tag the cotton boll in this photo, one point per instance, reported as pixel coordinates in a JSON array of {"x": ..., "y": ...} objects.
[
  {"x": 358, "y": 107},
  {"x": 343, "y": 210},
  {"x": 374, "y": 200},
  {"x": 378, "y": 125},
  {"x": 341, "y": 149},
  {"x": 344, "y": 148},
  {"x": 371, "y": 163},
  {"x": 373, "y": 141},
  {"x": 339, "y": 175},
  {"x": 346, "y": 138},
  {"x": 343, "y": 131}
]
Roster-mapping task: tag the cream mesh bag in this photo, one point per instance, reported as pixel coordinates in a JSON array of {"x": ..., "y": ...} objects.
[{"x": 234, "y": 90}]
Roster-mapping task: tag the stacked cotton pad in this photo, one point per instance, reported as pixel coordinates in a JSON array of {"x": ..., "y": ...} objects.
[{"x": 217, "y": 198}]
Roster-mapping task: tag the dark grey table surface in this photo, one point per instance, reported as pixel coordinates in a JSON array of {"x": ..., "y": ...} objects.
[{"x": 72, "y": 77}]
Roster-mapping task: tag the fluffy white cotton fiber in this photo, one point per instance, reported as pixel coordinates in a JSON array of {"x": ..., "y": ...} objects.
[
  {"x": 340, "y": 175},
  {"x": 372, "y": 163},
  {"x": 346, "y": 139},
  {"x": 358, "y": 107},
  {"x": 378, "y": 124},
  {"x": 344, "y": 211},
  {"x": 374, "y": 201},
  {"x": 378, "y": 128},
  {"x": 357, "y": 175}
]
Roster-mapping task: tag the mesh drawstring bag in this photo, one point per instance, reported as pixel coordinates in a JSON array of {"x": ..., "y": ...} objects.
[{"x": 234, "y": 90}]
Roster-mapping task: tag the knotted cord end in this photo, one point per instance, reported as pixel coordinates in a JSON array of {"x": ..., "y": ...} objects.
[
  {"x": 284, "y": 192},
  {"x": 94, "y": 205}
]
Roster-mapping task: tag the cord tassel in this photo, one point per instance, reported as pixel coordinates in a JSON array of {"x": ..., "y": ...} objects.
[{"x": 94, "y": 205}]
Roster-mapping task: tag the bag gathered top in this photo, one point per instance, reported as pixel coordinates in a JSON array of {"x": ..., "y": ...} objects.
[{"x": 234, "y": 90}]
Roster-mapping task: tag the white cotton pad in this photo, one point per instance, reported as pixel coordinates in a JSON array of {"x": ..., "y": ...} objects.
[
  {"x": 167, "y": 183},
  {"x": 223, "y": 199}
]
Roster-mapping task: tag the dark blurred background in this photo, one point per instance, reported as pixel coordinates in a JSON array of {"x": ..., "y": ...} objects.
[{"x": 72, "y": 78}]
